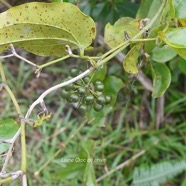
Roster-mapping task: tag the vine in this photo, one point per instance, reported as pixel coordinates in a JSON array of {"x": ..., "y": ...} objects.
[{"x": 72, "y": 40}]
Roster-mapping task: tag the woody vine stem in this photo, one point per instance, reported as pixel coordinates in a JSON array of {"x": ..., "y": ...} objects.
[{"x": 6, "y": 177}]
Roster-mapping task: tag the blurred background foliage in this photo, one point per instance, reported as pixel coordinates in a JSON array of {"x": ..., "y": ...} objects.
[{"x": 130, "y": 128}]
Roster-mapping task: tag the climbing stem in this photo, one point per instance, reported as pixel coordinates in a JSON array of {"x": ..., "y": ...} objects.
[{"x": 13, "y": 98}]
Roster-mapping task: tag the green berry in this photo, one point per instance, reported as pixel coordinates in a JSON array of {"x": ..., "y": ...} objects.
[
  {"x": 98, "y": 107},
  {"x": 74, "y": 72},
  {"x": 97, "y": 82},
  {"x": 108, "y": 99},
  {"x": 101, "y": 99},
  {"x": 89, "y": 99},
  {"x": 81, "y": 91},
  {"x": 69, "y": 87},
  {"x": 74, "y": 98},
  {"x": 82, "y": 108},
  {"x": 86, "y": 79},
  {"x": 65, "y": 94},
  {"x": 99, "y": 88}
]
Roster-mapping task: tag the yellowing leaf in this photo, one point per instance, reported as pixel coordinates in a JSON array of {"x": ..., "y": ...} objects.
[
  {"x": 131, "y": 60},
  {"x": 38, "y": 39},
  {"x": 63, "y": 22},
  {"x": 114, "y": 34}
]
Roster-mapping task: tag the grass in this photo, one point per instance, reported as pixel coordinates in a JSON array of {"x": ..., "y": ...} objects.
[{"x": 124, "y": 135}]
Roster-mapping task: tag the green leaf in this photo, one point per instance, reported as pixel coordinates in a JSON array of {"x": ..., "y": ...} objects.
[
  {"x": 131, "y": 60},
  {"x": 63, "y": 19},
  {"x": 4, "y": 147},
  {"x": 112, "y": 86},
  {"x": 180, "y": 7},
  {"x": 8, "y": 128},
  {"x": 148, "y": 8},
  {"x": 175, "y": 38},
  {"x": 114, "y": 34},
  {"x": 89, "y": 174},
  {"x": 163, "y": 54},
  {"x": 182, "y": 65},
  {"x": 161, "y": 79},
  {"x": 100, "y": 73}
]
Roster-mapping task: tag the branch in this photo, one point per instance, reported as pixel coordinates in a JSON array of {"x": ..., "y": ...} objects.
[
  {"x": 5, "y": 4},
  {"x": 20, "y": 57},
  {"x": 40, "y": 100}
]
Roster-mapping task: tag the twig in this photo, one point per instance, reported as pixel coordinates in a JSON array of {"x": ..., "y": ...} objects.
[
  {"x": 5, "y": 3},
  {"x": 13, "y": 174},
  {"x": 44, "y": 94},
  {"x": 145, "y": 81},
  {"x": 7, "y": 177},
  {"x": 121, "y": 165},
  {"x": 7, "y": 56},
  {"x": 12, "y": 141},
  {"x": 20, "y": 57}
]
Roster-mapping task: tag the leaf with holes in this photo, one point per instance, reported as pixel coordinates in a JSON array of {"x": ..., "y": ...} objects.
[
  {"x": 33, "y": 31},
  {"x": 161, "y": 79},
  {"x": 131, "y": 60},
  {"x": 114, "y": 34}
]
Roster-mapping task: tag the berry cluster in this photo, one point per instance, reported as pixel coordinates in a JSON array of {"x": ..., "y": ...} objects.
[{"x": 86, "y": 93}]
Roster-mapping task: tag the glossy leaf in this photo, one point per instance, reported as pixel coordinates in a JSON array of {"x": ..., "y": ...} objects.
[
  {"x": 112, "y": 85},
  {"x": 180, "y": 7},
  {"x": 175, "y": 37},
  {"x": 161, "y": 79},
  {"x": 131, "y": 60},
  {"x": 163, "y": 54},
  {"x": 57, "y": 17},
  {"x": 114, "y": 34}
]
